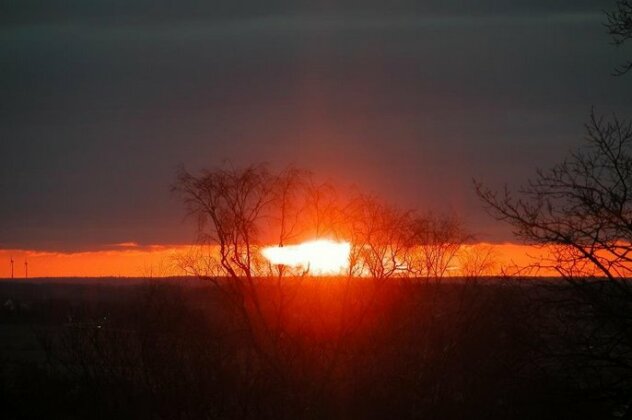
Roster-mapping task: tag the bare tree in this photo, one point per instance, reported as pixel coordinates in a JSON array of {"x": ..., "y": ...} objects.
[
  {"x": 581, "y": 208},
  {"x": 289, "y": 202},
  {"x": 324, "y": 210},
  {"x": 239, "y": 211},
  {"x": 476, "y": 261},
  {"x": 619, "y": 24},
  {"x": 581, "y": 211},
  {"x": 380, "y": 236},
  {"x": 231, "y": 207},
  {"x": 228, "y": 205},
  {"x": 438, "y": 240}
]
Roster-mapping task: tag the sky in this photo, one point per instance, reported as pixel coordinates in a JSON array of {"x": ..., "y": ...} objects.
[{"x": 102, "y": 100}]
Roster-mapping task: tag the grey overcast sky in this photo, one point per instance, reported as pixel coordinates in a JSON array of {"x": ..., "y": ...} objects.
[{"x": 101, "y": 100}]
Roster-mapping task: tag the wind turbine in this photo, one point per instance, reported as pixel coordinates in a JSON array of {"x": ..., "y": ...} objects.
[
  {"x": 12, "y": 268},
  {"x": 26, "y": 269}
]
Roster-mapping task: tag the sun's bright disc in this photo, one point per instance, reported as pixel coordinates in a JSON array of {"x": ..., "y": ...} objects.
[{"x": 321, "y": 257}]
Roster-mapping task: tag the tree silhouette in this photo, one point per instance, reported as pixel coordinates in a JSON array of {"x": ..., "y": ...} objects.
[
  {"x": 580, "y": 208},
  {"x": 581, "y": 211},
  {"x": 619, "y": 24}
]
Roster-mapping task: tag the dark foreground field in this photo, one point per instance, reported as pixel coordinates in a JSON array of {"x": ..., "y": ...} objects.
[{"x": 316, "y": 348}]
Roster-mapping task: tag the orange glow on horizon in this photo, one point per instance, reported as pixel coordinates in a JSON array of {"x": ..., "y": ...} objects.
[
  {"x": 320, "y": 257},
  {"x": 132, "y": 260},
  {"x": 124, "y": 261}
]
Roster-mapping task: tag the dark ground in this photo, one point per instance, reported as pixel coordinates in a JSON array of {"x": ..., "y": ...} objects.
[{"x": 319, "y": 348}]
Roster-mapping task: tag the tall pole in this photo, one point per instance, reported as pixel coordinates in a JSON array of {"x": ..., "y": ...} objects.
[
  {"x": 26, "y": 269},
  {"x": 12, "y": 268}
]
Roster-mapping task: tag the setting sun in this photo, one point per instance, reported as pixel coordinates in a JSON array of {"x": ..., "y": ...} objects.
[{"x": 320, "y": 257}]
